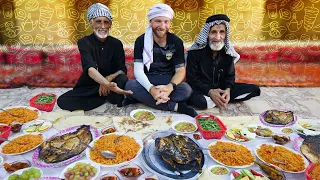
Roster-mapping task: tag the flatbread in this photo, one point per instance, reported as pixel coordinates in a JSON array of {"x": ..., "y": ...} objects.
[
  {"x": 95, "y": 121},
  {"x": 124, "y": 124},
  {"x": 52, "y": 116},
  {"x": 239, "y": 120}
]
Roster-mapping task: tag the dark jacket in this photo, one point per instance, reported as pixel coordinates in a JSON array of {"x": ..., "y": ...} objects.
[
  {"x": 205, "y": 72},
  {"x": 107, "y": 57}
]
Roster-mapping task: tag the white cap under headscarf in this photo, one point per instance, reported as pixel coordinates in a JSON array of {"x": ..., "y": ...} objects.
[
  {"x": 155, "y": 11},
  {"x": 202, "y": 40},
  {"x": 98, "y": 10}
]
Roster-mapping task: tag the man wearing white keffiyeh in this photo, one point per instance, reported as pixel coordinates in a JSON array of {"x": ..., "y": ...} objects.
[
  {"x": 159, "y": 66},
  {"x": 210, "y": 67},
  {"x": 103, "y": 64}
]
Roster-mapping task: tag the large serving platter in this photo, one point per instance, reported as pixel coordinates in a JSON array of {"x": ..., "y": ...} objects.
[
  {"x": 263, "y": 121},
  {"x": 137, "y": 139},
  {"x": 152, "y": 160},
  {"x": 12, "y": 138},
  {"x": 306, "y": 163},
  {"x": 38, "y": 162},
  {"x": 215, "y": 142}
]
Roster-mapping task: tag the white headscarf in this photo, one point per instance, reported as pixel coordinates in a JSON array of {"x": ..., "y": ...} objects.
[
  {"x": 202, "y": 39},
  {"x": 155, "y": 11}
]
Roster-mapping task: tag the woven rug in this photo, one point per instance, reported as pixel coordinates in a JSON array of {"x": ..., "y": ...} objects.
[{"x": 304, "y": 102}]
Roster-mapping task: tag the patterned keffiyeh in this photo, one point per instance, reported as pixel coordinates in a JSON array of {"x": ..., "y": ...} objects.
[
  {"x": 98, "y": 10},
  {"x": 202, "y": 39}
]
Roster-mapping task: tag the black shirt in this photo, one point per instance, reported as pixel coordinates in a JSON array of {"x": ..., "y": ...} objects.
[
  {"x": 205, "y": 72},
  {"x": 165, "y": 59},
  {"x": 107, "y": 57}
]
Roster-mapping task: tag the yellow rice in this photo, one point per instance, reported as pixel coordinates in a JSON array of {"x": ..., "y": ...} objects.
[
  {"x": 294, "y": 162},
  {"x": 241, "y": 156},
  {"x": 125, "y": 150},
  {"x": 25, "y": 115},
  {"x": 31, "y": 140}
]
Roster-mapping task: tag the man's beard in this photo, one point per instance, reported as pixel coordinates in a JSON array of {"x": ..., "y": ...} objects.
[
  {"x": 157, "y": 33},
  {"x": 101, "y": 36},
  {"x": 216, "y": 47}
]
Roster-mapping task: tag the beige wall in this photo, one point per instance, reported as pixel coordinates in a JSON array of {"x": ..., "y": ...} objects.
[{"x": 48, "y": 23}]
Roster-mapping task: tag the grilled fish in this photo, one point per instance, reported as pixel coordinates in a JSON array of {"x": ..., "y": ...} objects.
[
  {"x": 311, "y": 148},
  {"x": 63, "y": 147},
  {"x": 278, "y": 117},
  {"x": 180, "y": 152}
]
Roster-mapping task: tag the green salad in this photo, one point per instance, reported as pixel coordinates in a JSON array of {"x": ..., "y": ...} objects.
[
  {"x": 144, "y": 116},
  {"x": 45, "y": 99},
  {"x": 209, "y": 124}
]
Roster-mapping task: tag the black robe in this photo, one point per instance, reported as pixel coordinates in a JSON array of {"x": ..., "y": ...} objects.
[{"x": 107, "y": 57}]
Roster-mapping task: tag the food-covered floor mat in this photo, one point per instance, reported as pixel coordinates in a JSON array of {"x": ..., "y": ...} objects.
[{"x": 304, "y": 102}]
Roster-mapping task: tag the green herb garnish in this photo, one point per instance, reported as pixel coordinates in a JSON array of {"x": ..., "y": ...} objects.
[
  {"x": 45, "y": 99},
  {"x": 209, "y": 124}
]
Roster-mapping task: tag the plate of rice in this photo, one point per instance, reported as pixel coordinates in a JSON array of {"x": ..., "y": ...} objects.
[
  {"x": 231, "y": 154},
  {"x": 282, "y": 158},
  {"x": 22, "y": 143},
  {"x": 128, "y": 148},
  {"x": 24, "y": 113}
]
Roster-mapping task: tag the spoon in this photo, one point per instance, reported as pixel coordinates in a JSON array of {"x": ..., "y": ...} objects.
[
  {"x": 117, "y": 139},
  {"x": 4, "y": 139},
  {"x": 105, "y": 154},
  {"x": 278, "y": 161}
]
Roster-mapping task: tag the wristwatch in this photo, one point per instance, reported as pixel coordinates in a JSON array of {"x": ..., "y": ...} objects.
[{"x": 173, "y": 85}]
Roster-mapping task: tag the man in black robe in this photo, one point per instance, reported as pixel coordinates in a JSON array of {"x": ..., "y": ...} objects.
[
  {"x": 103, "y": 63},
  {"x": 210, "y": 67}
]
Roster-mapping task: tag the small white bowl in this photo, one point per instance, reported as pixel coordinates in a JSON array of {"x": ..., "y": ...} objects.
[
  {"x": 177, "y": 122},
  {"x": 213, "y": 166},
  {"x": 137, "y": 110},
  {"x": 109, "y": 174}
]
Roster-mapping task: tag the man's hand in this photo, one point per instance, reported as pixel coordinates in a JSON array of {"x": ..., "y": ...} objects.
[
  {"x": 121, "y": 91},
  {"x": 104, "y": 90},
  {"x": 165, "y": 91},
  {"x": 111, "y": 77},
  {"x": 218, "y": 99},
  {"x": 226, "y": 96},
  {"x": 111, "y": 86},
  {"x": 158, "y": 95}
]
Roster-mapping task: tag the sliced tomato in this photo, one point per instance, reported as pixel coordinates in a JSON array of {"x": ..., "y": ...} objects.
[
  {"x": 235, "y": 174},
  {"x": 256, "y": 173}
]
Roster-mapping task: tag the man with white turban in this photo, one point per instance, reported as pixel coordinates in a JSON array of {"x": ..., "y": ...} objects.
[
  {"x": 210, "y": 67},
  {"x": 159, "y": 66},
  {"x": 103, "y": 63}
]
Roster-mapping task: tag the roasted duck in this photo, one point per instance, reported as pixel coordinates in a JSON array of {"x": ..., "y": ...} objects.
[
  {"x": 63, "y": 147},
  {"x": 180, "y": 152},
  {"x": 311, "y": 148},
  {"x": 278, "y": 117}
]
